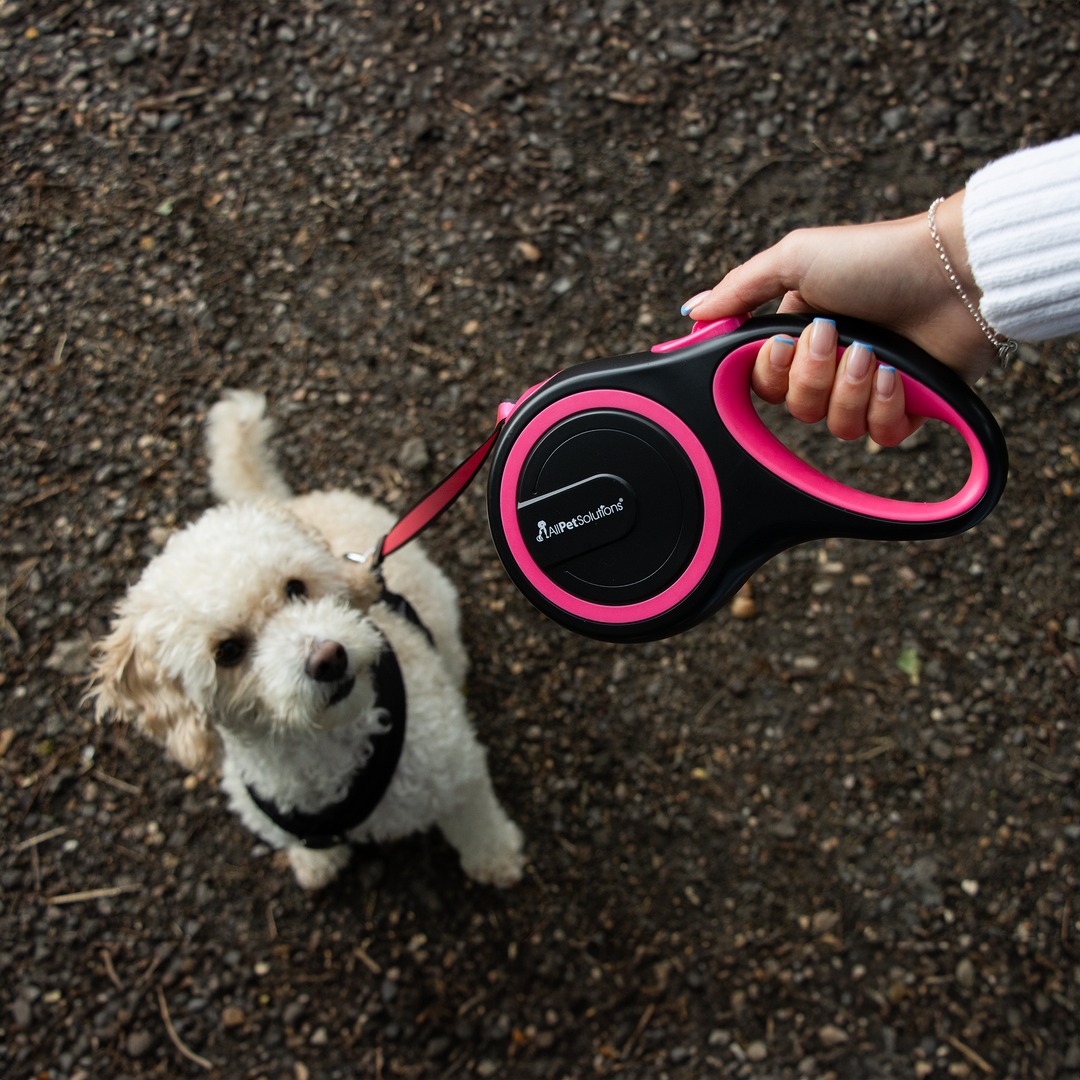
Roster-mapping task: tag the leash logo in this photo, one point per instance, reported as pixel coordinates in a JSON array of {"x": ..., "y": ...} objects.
[{"x": 544, "y": 531}]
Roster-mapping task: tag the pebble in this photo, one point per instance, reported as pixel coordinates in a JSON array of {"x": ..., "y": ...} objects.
[
  {"x": 414, "y": 454},
  {"x": 232, "y": 1016},
  {"x": 757, "y": 1051},
  {"x": 831, "y": 1035},
  {"x": 138, "y": 1042},
  {"x": 965, "y": 973}
]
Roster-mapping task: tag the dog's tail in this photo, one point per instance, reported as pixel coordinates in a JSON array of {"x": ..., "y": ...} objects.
[{"x": 242, "y": 467}]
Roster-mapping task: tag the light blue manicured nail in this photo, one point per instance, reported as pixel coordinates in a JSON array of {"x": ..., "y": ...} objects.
[{"x": 692, "y": 303}]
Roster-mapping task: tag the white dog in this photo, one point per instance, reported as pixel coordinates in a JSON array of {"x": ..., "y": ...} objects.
[{"x": 251, "y": 642}]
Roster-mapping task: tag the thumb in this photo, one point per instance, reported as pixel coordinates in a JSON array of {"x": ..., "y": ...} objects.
[{"x": 748, "y": 286}]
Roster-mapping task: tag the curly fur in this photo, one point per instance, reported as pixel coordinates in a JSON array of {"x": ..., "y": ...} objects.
[{"x": 268, "y": 720}]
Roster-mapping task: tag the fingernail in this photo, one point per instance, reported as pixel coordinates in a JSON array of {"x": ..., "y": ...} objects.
[
  {"x": 858, "y": 362},
  {"x": 783, "y": 349},
  {"x": 693, "y": 302},
  {"x": 885, "y": 380},
  {"x": 823, "y": 339}
]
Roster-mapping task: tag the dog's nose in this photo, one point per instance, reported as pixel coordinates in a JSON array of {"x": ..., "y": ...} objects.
[{"x": 327, "y": 661}]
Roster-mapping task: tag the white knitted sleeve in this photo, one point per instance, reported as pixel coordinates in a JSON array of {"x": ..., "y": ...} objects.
[{"x": 1022, "y": 229}]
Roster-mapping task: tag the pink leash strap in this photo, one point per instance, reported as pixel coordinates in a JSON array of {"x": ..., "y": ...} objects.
[{"x": 416, "y": 520}]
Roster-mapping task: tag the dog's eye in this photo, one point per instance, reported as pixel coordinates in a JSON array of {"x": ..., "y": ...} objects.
[
  {"x": 230, "y": 652},
  {"x": 295, "y": 588}
]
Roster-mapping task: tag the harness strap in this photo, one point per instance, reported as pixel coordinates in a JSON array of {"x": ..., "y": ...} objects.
[
  {"x": 328, "y": 827},
  {"x": 400, "y": 606}
]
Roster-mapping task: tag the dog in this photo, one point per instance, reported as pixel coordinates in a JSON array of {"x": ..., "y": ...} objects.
[{"x": 331, "y": 699}]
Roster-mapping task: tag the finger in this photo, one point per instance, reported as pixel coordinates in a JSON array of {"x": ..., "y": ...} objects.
[
  {"x": 812, "y": 372},
  {"x": 851, "y": 392},
  {"x": 889, "y": 424},
  {"x": 770, "y": 377},
  {"x": 793, "y": 304},
  {"x": 769, "y": 274}
]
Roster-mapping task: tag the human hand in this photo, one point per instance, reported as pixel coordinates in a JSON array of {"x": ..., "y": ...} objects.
[
  {"x": 856, "y": 395},
  {"x": 888, "y": 273}
]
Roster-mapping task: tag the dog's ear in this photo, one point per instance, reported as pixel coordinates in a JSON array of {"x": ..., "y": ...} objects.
[{"x": 128, "y": 682}]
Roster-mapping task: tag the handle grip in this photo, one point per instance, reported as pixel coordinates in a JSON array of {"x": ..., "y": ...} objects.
[{"x": 930, "y": 389}]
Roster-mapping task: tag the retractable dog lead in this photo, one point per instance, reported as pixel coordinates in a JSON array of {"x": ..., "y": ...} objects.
[{"x": 630, "y": 497}]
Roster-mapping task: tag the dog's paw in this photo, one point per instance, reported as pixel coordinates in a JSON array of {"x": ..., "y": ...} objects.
[
  {"x": 501, "y": 862},
  {"x": 316, "y": 869}
]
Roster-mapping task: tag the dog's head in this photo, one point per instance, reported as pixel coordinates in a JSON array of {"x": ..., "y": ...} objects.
[{"x": 244, "y": 620}]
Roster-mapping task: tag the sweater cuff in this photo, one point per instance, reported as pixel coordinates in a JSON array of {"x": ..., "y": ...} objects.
[{"x": 1022, "y": 230}]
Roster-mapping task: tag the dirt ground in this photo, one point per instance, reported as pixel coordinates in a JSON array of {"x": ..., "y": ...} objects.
[{"x": 761, "y": 849}]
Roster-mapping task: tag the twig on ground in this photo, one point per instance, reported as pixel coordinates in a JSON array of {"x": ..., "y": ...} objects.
[
  {"x": 642, "y": 1024},
  {"x": 176, "y": 1040},
  {"x": 40, "y": 838},
  {"x": 371, "y": 965},
  {"x": 93, "y": 894},
  {"x": 112, "y": 781},
  {"x": 271, "y": 925},
  {"x": 467, "y": 1005},
  {"x": 106, "y": 959},
  {"x": 971, "y": 1055}
]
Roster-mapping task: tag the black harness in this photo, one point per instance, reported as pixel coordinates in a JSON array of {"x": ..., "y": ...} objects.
[{"x": 328, "y": 827}]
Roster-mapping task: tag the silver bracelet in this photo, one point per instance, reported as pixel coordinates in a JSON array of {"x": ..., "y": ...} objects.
[{"x": 1005, "y": 345}]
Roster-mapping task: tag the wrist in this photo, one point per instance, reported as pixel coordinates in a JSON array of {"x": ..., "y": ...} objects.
[{"x": 949, "y": 220}]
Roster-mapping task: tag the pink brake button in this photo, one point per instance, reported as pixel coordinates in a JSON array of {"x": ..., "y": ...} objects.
[{"x": 702, "y": 332}]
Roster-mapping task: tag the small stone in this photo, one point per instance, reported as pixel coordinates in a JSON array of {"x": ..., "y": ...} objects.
[
  {"x": 232, "y": 1016},
  {"x": 684, "y": 51},
  {"x": 171, "y": 121},
  {"x": 22, "y": 1011},
  {"x": 766, "y": 129},
  {"x": 561, "y": 286},
  {"x": 757, "y": 1051},
  {"x": 262, "y": 968},
  {"x": 965, "y": 973},
  {"x": 471, "y": 327},
  {"x": 319, "y": 1037},
  {"x": 719, "y": 1037},
  {"x": 831, "y": 1035},
  {"x": 941, "y": 749},
  {"x": 530, "y": 252},
  {"x": 824, "y": 921},
  {"x": 70, "y": 657},
  {"x": 487, "y": 1067},
  {"x": 970, "y": 886},
  {"x": 893, "y": 119},
  {"x": 286, "y": 33},
  {"x": 125, "y": 55},
  {"x": 413, "y": 454},
  {"x": 138, "y": 1043},
  {"x": 294, "y": 1010},
  {"x": 743, "y": 607}
]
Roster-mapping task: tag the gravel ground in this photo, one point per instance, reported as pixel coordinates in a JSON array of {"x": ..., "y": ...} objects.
[{"x": 837, "y": 839}]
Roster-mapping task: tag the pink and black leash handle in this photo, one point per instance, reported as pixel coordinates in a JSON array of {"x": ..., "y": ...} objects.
[{"x": 631, "y": 497}]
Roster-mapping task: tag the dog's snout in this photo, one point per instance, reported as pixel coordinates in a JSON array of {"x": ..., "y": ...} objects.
[{"x": 327, "y": 661}]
